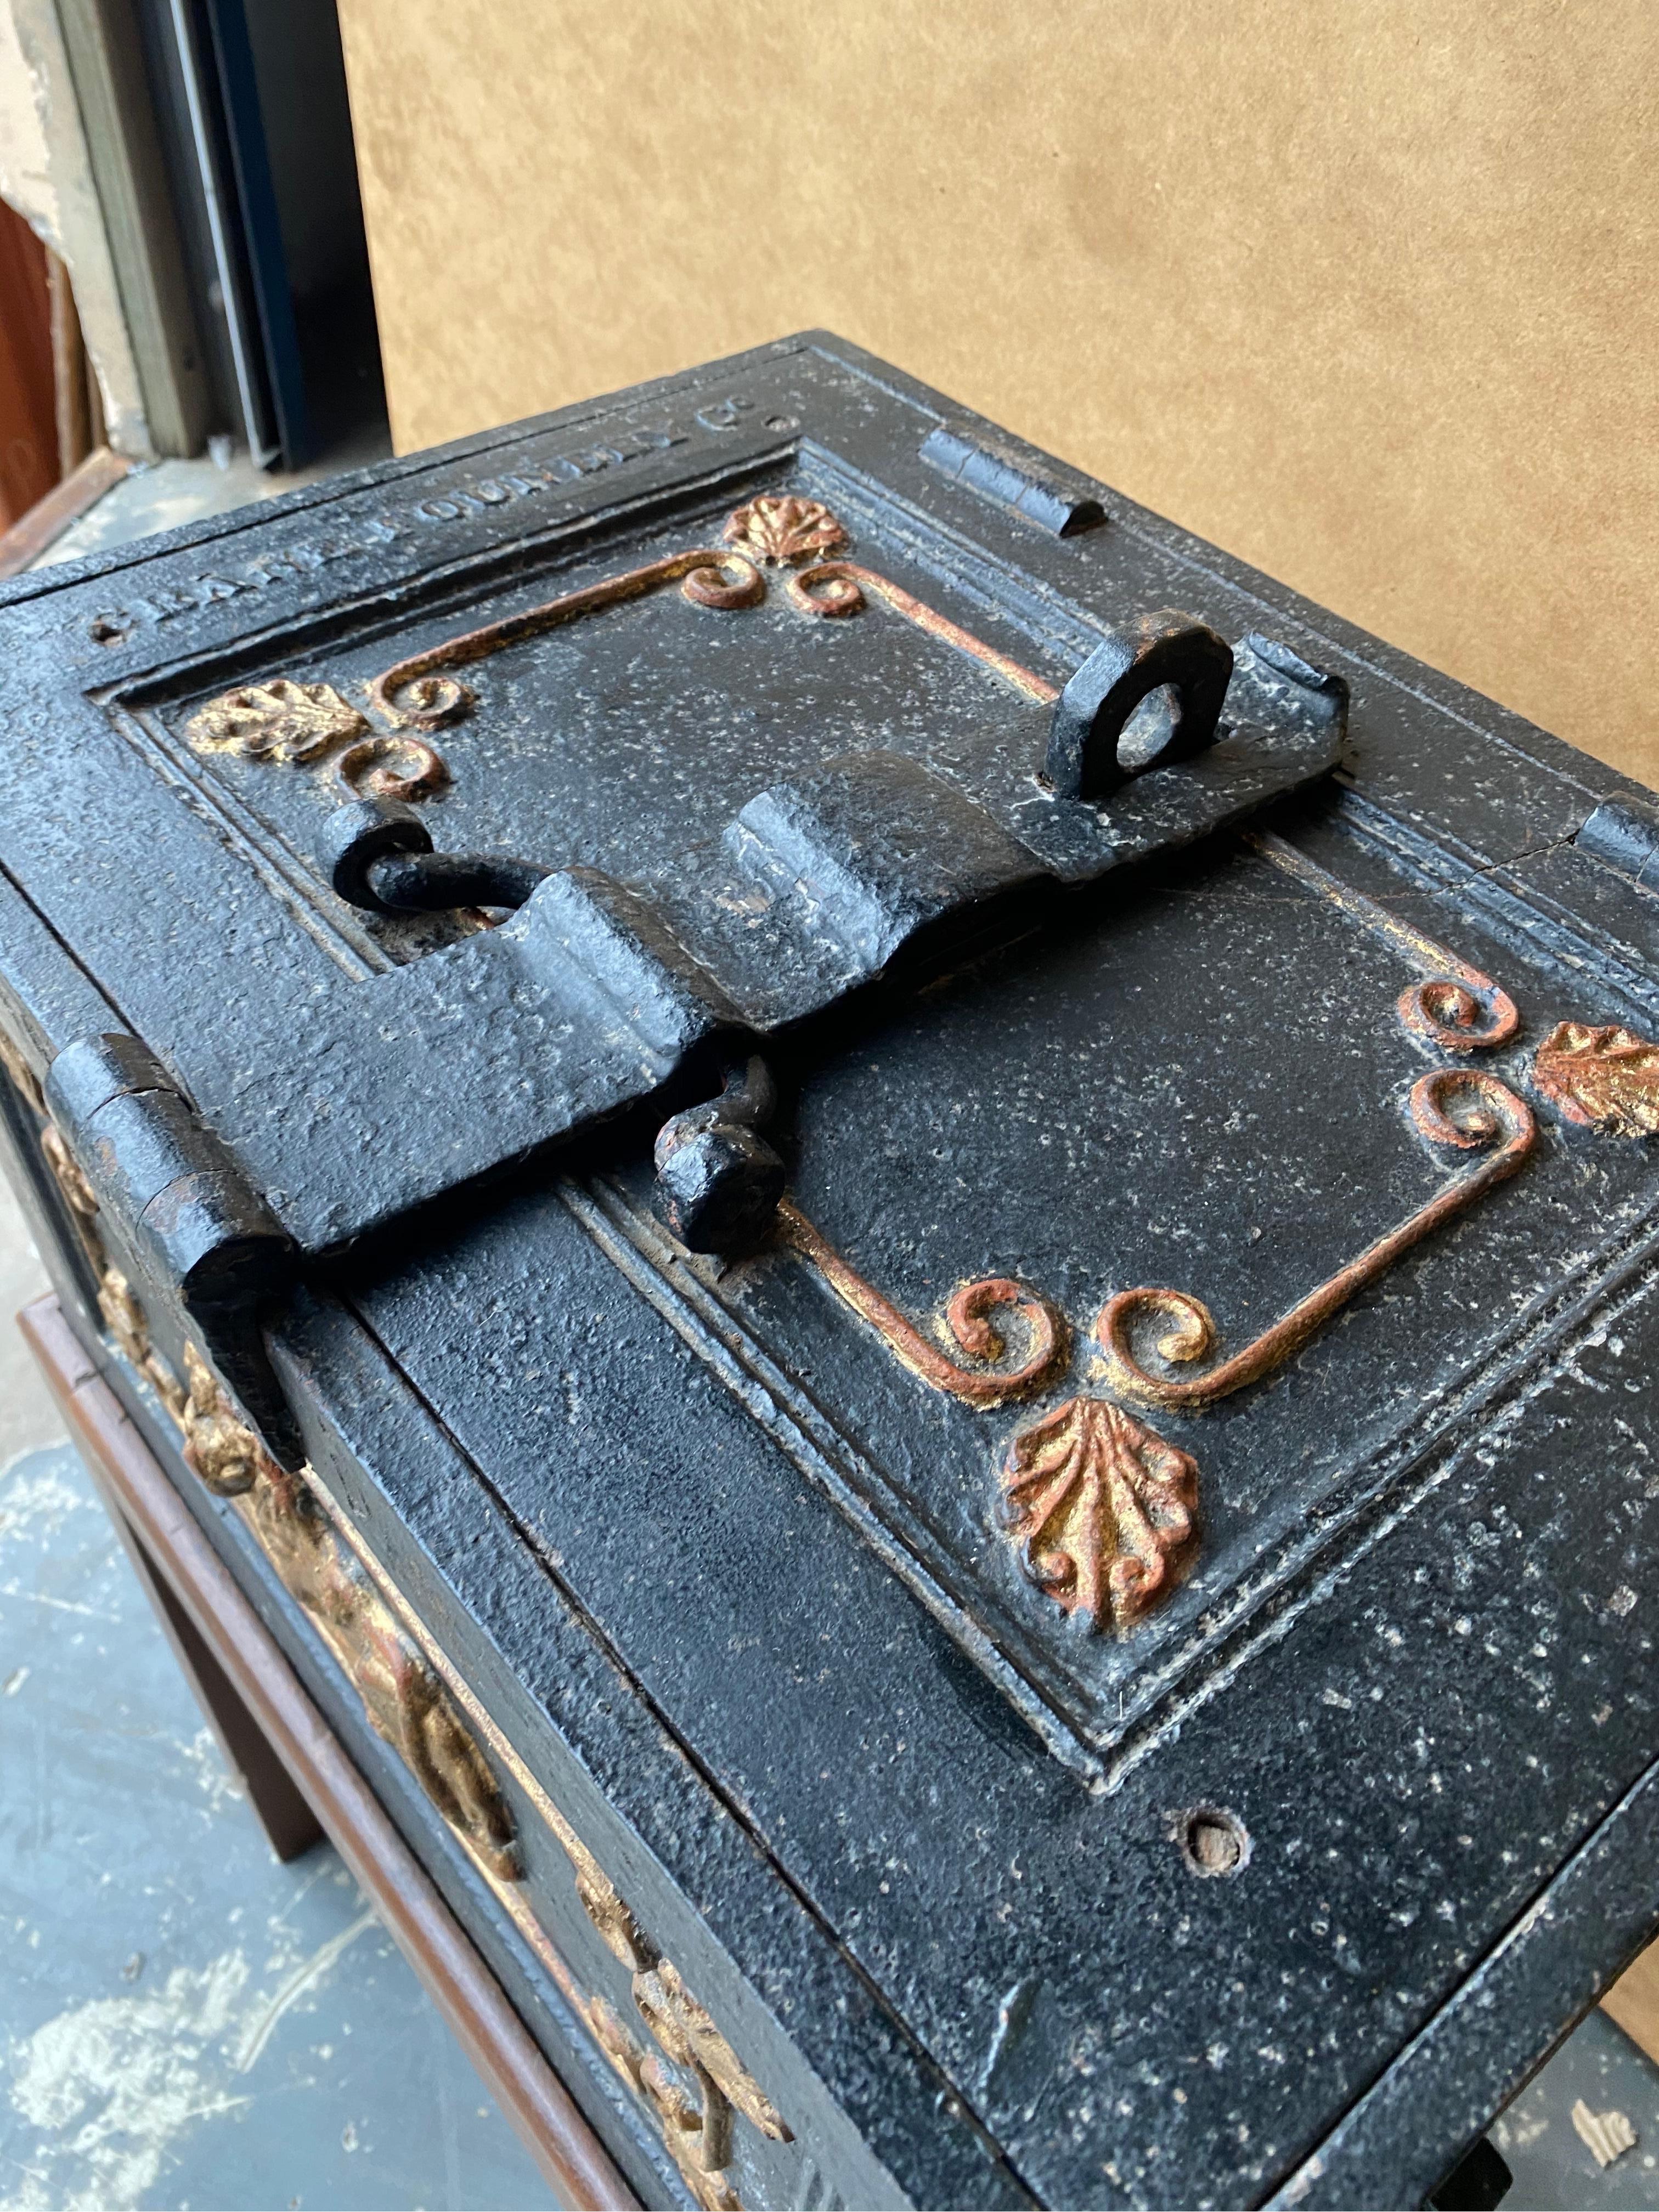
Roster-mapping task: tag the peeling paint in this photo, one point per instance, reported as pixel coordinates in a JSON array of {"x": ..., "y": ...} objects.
[
  {"x": 110, "y": 2085},
  {"x": 1606, "y": 2136},
  {"x": 36, "y": 1500}
]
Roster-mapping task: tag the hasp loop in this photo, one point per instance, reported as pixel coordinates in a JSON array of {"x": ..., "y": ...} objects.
[{"x": 1174, "y": 655}]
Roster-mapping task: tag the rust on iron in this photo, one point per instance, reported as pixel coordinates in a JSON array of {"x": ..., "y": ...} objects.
[
  {"x": 1456, "y": 1008},
  {"x": 371, "y": 770},
  {"x": 1603, "y": 1079},
  {"x": 965, "y": 1315},
  {"x": 1462, "y": 1107},
  {"x": 1102, "y": 1510},
  {"x": 419, "y": 693}
]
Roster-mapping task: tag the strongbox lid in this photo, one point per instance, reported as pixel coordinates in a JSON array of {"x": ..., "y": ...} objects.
[{"x": 1020, "y": 1159}]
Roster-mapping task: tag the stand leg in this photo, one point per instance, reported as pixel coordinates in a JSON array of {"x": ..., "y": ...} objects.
[{"x": 290, "y": 1825}]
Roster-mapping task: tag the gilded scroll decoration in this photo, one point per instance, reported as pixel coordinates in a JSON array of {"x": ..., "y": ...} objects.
[
  {"x": 686, "y": 2034},
  {"x": 422, "y": 700},
  {"x": 680, "y": 2120},
  {"x": 279, "y": 720},
  {"x": 303, "y": 724},
  {"x": 1465, "y": 1013},
  {"x": 837, "y": 588},
  {"x": 400, "y": 767},
  {"x": 117, "y": 1303},
  {"x": 403, "y": 1699},
  {"x": 967, "y": 1316},
  {"x": 1102, "y": 1508},
  {"x": 284, "y": 720},
  {"x": 415, "y": 1700},
  {"x": 16, "y": 1068},
  {"x": 408, "y": 1704},
  {"x": 421, "y": 692},
  {"x": 773, "y": 530},
  {"x": 125, "y": 1319},
  {"x": 1605, "y": 1078},
  {"x": 697, "y": 2129},
  {"x": 684, "y": 2129},
  {"x": 1454, "y": 1008},
  {"x": 1464, "y": 1108},
  {"x": 693, "y": 2129},
  {"x": 76, "y": 1190}
]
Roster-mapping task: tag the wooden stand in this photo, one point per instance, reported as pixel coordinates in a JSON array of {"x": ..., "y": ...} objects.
[{"x": 299, "y": 1779}]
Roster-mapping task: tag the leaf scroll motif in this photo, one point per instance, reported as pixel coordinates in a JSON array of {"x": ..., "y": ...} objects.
[
  {"x": 281, "y": 720},
  {"x": 1603, "y": 1079},
  {"x": 1102, "y": 1509},
  {"x": 783, "y": 530}
]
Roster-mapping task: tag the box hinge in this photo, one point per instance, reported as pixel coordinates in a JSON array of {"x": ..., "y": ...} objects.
[{"x": 175, "y": 1202}]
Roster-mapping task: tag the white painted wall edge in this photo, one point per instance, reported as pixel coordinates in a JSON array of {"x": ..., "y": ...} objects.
[{"x": 46, "y": 174}]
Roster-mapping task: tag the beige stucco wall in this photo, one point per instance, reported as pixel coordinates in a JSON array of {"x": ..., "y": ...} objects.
[
  {"x": 25, "y": 178},
  {"x": 1366, "y": 293}
]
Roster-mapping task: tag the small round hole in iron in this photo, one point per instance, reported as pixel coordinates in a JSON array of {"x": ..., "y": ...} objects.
[
  {"x": 1214, "y": 1842},
  {"x": 1149, "y": 729}
]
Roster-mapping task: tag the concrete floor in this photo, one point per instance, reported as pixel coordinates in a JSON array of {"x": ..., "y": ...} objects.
[{"x": 183, "y": 2021}]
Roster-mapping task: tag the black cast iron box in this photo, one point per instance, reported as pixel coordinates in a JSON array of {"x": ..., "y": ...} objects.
[{"x": 906, "y": 1236}]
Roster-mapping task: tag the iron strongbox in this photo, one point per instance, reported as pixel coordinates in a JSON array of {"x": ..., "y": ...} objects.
[{"x": 906, "y": 1236}]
